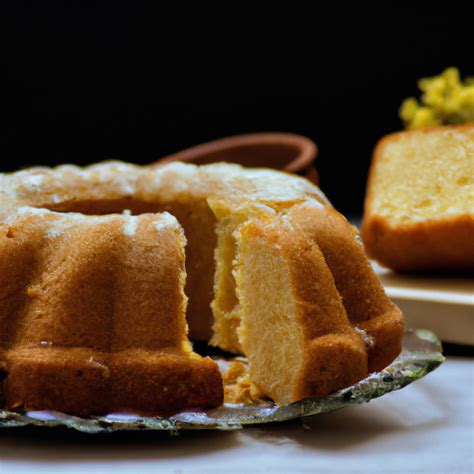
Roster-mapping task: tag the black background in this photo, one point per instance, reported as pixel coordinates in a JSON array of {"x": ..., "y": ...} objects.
[{"x": 91, "y": 81}]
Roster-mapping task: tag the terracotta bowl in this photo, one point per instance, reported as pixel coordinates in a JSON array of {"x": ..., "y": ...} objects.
[{"x": 284, "y": 151}]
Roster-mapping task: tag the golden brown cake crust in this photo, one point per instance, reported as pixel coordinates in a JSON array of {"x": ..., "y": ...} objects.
[
  {"x": 95, "y": 299},
  {"x": 440, "y": 243},
  {"x": 334, "y": 355},
  {"x": 362, "y": 294},
  {"x": 97, "y": 321},
  {"x": 86, "y": 382}
]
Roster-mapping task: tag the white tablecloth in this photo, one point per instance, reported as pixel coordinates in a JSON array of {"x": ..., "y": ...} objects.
[{"x": 424, "y": 428}]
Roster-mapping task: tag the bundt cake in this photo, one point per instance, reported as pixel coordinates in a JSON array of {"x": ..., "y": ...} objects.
[
  {"x": 419, "y": 208},
  {"x": 93, "y": 289}
]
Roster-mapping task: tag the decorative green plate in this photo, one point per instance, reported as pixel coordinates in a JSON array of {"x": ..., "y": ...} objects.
[{"x": 421, "y": 354}]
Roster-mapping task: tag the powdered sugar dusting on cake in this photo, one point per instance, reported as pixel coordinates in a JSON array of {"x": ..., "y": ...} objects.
[
  {"x": 34, "y": 181},
  {"x": 286, "y": 221},
  {"x": 76, "y": 171},
  {"x": 70, "y": 182},
  {"x": 122, "y": 175},
  {"x": 175, "y": 178},
  {"x": 165, "y": 221},
  {"x": 63, "y": 221},
  {"x": 127, "y": 188},
  {"x": 314, "y": 203},
  {"x": 264, "y": 185},
  {"x": 54, "y": 232},
  {"x": 130, "y": 225},
  {"x": 24, "y": 210},
  {"x": 265, "y": 208}
]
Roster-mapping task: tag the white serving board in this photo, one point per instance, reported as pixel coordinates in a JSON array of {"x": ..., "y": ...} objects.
[{"x": 442, "y": 304}]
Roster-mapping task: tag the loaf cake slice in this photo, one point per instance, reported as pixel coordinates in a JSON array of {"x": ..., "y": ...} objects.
[{"x": 419, "y": 207}]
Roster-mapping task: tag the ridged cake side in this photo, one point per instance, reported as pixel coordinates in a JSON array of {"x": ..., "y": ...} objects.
[
  {"x": 365, "y": 301},
  {"x": 368, "y": 307},
  {"x": 97, "y": 323}
]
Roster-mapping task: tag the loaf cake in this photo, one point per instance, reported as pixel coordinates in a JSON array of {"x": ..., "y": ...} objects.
[
  {"x": 419, "y": 207},
  {"x": 96, "y": 283}
]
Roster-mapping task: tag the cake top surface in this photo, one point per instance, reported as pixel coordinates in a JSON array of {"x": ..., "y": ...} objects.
[
  {"x": 58, "y": 222},
  {"x": 49, "y": 187}
]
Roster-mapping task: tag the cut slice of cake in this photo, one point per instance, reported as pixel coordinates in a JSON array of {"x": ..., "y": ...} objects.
[
  {"x": 294, "y": 329},
  {"x": 419, "y": 207}
]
